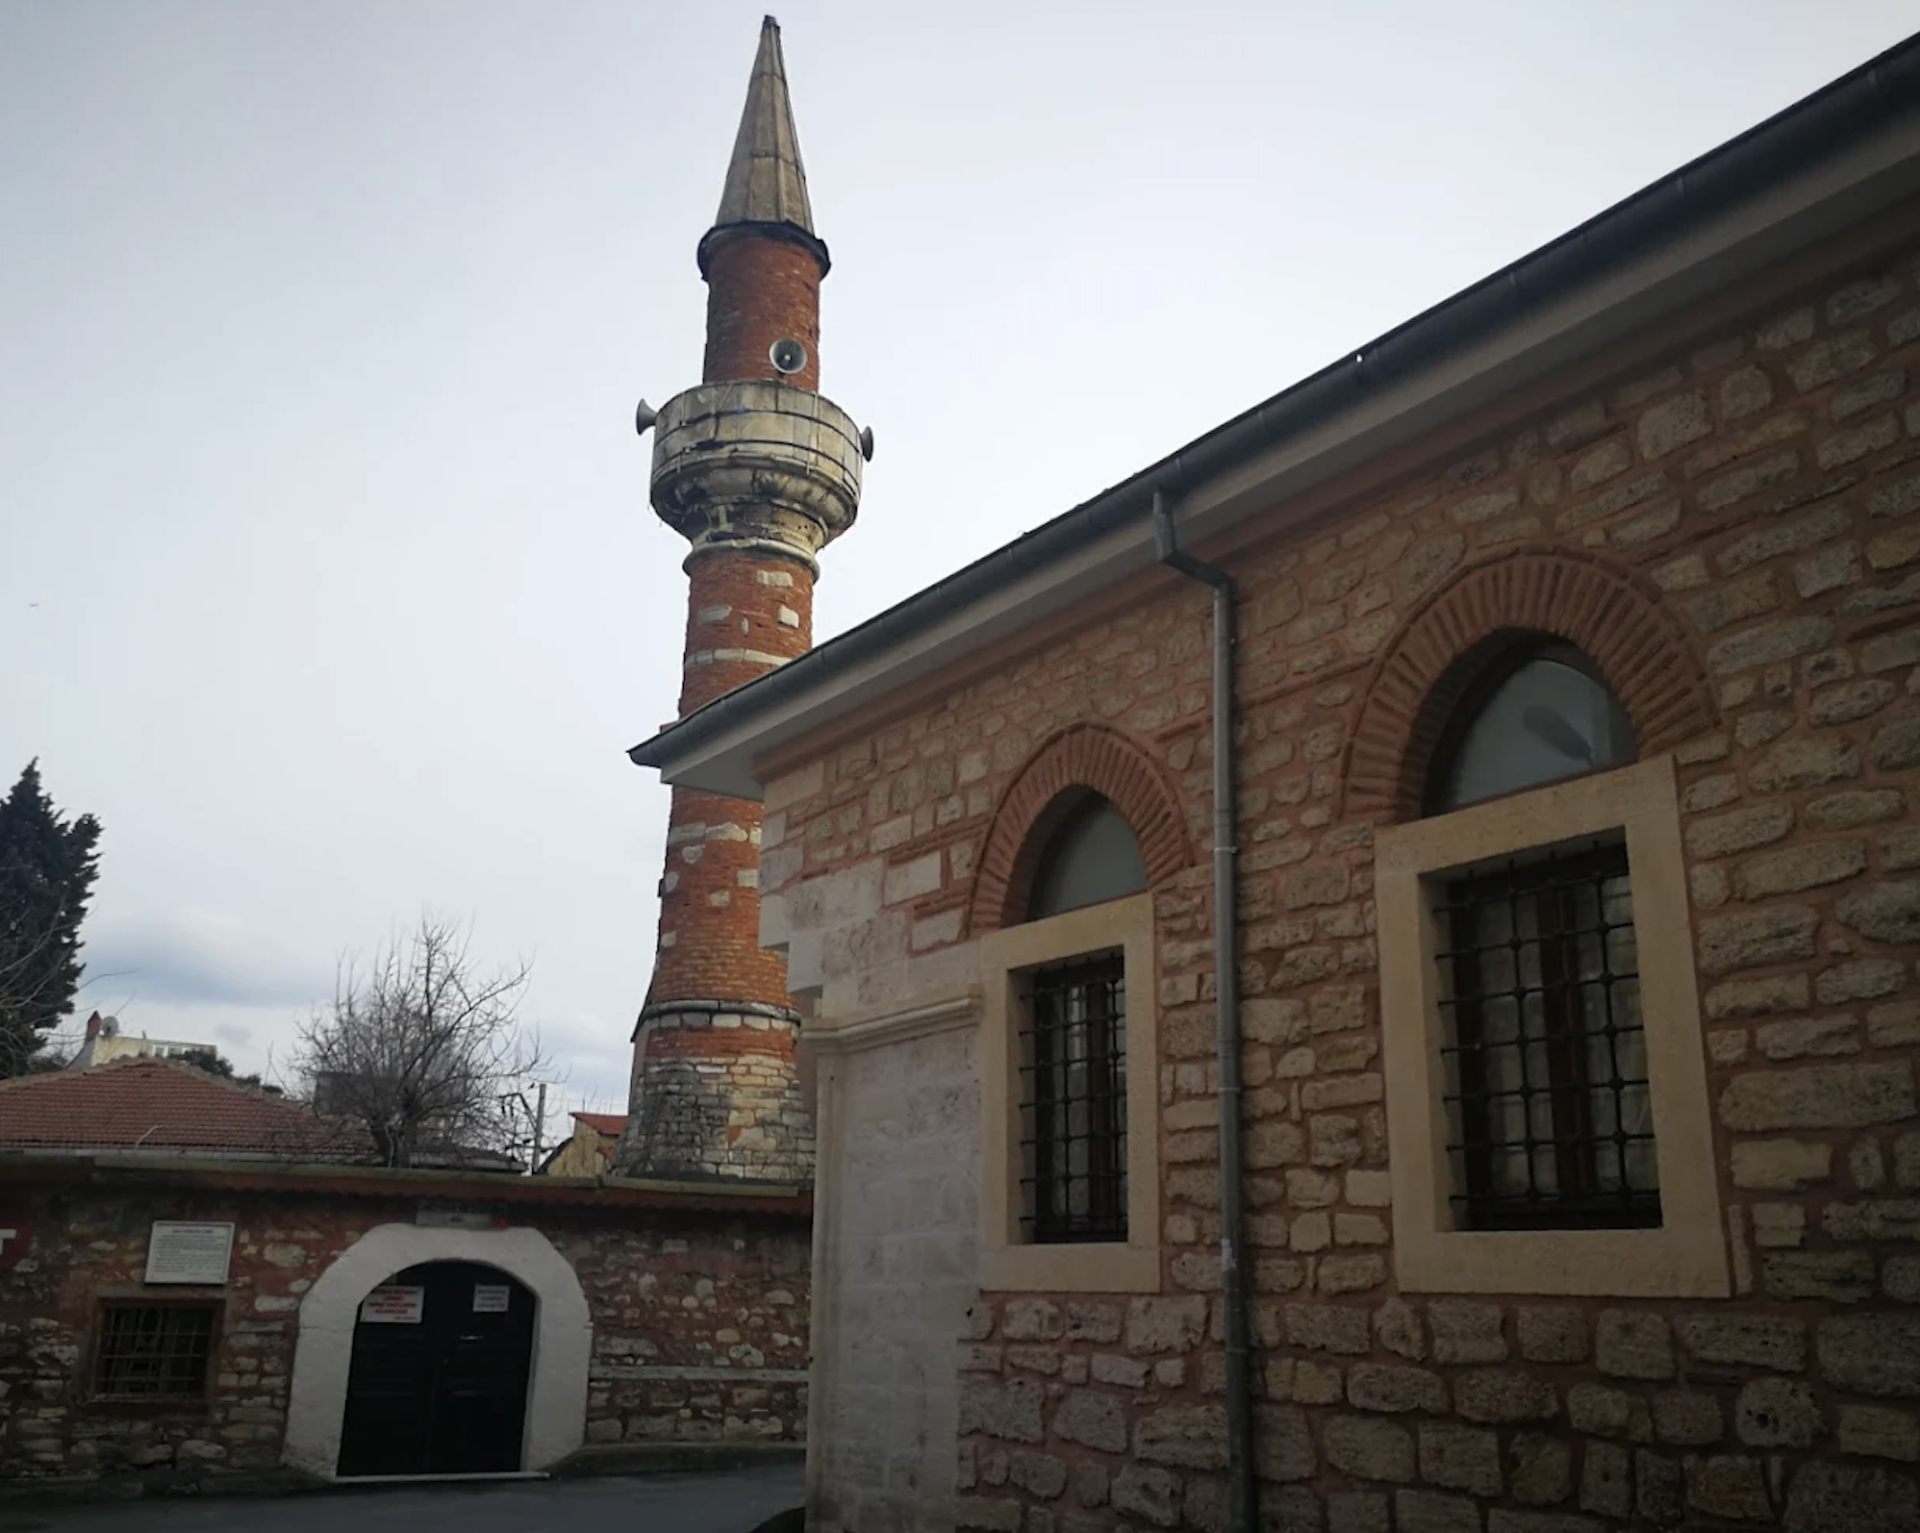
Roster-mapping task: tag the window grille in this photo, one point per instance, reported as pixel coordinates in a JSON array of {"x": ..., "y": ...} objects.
[
  {"x": 1073, "y": 1102},
  {"x": 1549, "y": 1116},
  {"x": 154, "y": 1351}
]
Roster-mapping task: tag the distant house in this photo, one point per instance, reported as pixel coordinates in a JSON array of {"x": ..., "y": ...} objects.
[
  {"x": 105, "y": 1043},
  {"x": 155, "y": 1106},
  {"x": 589, "y": 1152}
]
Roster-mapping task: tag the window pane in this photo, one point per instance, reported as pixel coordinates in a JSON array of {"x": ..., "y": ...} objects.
[
  {"x": 1546, "y": 721},
  {"x": 1093, "y": 858},
  {"x": 154, "y": 1350},
  {"x": 1074, "y": 1112},
  {"x": 1549, "y": 1117}
]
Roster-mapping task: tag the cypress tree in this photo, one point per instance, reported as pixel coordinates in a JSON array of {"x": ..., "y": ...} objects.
[{"x": 47, "y": 867}]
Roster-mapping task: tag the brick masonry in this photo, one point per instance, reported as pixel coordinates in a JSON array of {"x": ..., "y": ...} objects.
[
  {"x": 1732, "y": 528},
  {"x": 700, "y": 1326},
  {"x": 706, "y": 1100}
]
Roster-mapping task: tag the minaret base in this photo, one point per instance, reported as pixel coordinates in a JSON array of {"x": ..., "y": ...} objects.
[{"x": 716, "y": 1096}]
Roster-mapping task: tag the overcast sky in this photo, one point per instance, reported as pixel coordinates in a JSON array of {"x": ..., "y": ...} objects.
[{"x": 327, "y": 578}]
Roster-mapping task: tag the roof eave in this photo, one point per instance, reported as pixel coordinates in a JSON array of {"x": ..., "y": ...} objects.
[{"x": 1855, "y": 147}]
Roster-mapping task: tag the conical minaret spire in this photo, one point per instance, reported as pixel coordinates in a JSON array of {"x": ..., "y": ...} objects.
[
  {"x": 758, "y": 472},
  {"x": 766, "y": 181}
]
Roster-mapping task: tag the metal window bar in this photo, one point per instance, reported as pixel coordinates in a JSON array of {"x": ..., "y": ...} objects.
[
  {"x": 1549, "y": 1111},
  {"x": 154, "y": 1351},
  {"x": 1073, "y": 1102}
]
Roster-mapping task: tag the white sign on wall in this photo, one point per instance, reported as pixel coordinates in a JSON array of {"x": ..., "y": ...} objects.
[
  {"x": 185, "y": 1251},
  {"x": 491, "y": 1298},
  {"x": 394, "y": 1304}
]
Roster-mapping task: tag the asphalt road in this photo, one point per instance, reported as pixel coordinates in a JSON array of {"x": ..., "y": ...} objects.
[{"x": 735, "y": 1501}]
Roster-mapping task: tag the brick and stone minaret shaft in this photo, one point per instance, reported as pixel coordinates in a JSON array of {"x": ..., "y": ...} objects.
[{"x": 758, "y": 472}]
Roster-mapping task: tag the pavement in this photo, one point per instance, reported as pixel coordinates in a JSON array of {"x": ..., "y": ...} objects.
[{"x": 731, "y": 1501}]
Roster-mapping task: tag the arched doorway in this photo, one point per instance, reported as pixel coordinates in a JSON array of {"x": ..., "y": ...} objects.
[{"x": 438, "y": 1380}]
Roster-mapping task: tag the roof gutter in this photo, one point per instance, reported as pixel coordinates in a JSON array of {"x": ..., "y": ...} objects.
[{"x": 1851, "y": 150}]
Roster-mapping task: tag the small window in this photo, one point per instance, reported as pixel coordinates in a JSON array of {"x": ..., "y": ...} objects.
[
  {"x": 1094, "y": 857},
  {"x": 154, "y": 1351},
  {"x": 1073, "y": 1109},
  {"x": 1542, "y": 717}
]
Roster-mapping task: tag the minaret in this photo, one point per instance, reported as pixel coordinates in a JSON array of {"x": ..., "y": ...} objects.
[{"x": 758, "y": 472}]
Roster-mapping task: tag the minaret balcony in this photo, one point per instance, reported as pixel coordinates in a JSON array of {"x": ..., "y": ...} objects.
[{"x": 756, "y": 463}]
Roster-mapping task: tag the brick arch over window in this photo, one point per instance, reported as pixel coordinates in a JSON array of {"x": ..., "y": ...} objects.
[
  {"x": 1417, "y": 682},
  {"x": 1087, "y": 758}
]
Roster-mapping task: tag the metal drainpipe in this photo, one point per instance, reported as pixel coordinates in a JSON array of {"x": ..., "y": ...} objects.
[{"x": 1244, "y": 1502}]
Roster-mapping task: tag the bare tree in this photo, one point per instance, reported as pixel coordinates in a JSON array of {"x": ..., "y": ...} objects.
[{"x": 421, "y": 1049}]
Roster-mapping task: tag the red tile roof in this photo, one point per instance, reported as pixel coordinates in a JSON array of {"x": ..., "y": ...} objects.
[
  {"x": 163, "y": 1105},
  {"x": 604, "y": 1122}
]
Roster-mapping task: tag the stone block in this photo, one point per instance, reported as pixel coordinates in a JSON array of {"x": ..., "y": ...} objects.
[
  {"x": 1427, "y": 1511},
  {"x": 1871, "y": 1354},
  {"x": 1888, "y": 911},
  {"x": 1150, "y": 1494},
  {"x": 1757, "y": 1341},
  {"x": 1367, "y": 1447},
  {"x": 1751, "y": 938},
  {"x": 1804, "y": 763},
  {"x": 1879, "y": 1431},
  {"x": 1730, "y": 1486},
  {"x": 1187, "y": 1436},
  {"x": 1691, "y": 1420},
  {"x": 1500, "y": 1395},
  {"x": 1780, "y": 1165},
  {"x": 1805, "y": 865},
  {"x": 1365, "y": 1511},
  {"x": 1606, "y": 1480},
  {"x": 1841, "y": 1498},
  {"x": 1738, "y": 830},
  {"x": 1396, "y": 1324},
  {"x": 1608, "y": 1412},
  {"x": 1461, "y": 1458},
  {"x": 1026, "y": 1319},
  {"x": 1500, "y": 1520},
  {"x": 1777, "y": 1413},
  {"x": 1466, "y": 1331},
  {"x": 1539, "y": 1469},
  {"x": 1326, "y": 1328},
  {"x": 1630, "y": 1344},
  {"x": 1010, "y": 1411},
  {"x": 1395, "y": 1387},
  {"x": 1165, "y": 1324},
  {"x": 1845, "y": 1276},
  {"x": 1555, "y": 1334},
  {"x": 1819, "y": 1096},
  {"x": 1282, "y": 1444}
]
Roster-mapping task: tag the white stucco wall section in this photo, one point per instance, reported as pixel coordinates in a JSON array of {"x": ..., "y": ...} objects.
[{"x": 562, "y": 1338}]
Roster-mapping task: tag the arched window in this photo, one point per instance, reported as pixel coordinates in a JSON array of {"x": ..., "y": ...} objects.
[
  {"x": 1549, "y": 1116},
  {"x": 1542, "y": 716},
  {"x": 1092, "y": 858}
]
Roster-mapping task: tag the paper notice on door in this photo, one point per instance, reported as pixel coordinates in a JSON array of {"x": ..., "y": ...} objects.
[
  {"x": 491, "y": 1298},
  {"x": 395, "y": 1304}
]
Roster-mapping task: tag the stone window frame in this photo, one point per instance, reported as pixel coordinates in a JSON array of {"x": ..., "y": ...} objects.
[
  {"x": 1686, "y": 1255},
  {"x": 1007, "y": 1261}
]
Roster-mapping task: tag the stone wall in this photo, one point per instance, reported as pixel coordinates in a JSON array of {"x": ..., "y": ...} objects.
[
  {"x": 700, "y": 1325},
  {"x": 1760, "y": 482},
  {"x": 894, "y": 1239}
]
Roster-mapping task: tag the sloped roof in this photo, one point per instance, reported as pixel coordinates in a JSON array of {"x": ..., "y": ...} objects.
[
  {"x": 161, "y": 1105},
  {"x": 602, "y": 1122}
]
